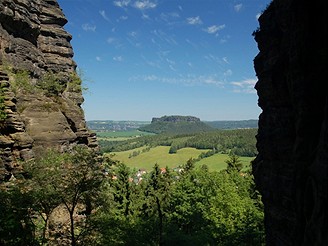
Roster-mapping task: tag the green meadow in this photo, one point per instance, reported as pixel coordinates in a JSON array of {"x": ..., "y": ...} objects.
[
  {"x": 217, "y": 162},
  {"x": 161, "y": 156}
]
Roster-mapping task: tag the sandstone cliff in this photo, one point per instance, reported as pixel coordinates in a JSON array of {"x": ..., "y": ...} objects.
[
  {"x": 291, "y": 168},
  {"x": 40, "y": 89}
]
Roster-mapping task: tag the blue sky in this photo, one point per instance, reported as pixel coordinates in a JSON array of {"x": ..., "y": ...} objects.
[{"x": 149, "y": 58}]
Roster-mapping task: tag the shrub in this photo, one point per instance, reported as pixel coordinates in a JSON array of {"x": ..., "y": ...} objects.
[
  {"x": 3, "y": 114},
  {"x": 51, "y": 84}
]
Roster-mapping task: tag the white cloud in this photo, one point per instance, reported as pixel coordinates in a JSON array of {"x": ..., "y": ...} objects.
[
  {"x": 191, "y": 43},
  {"x": 185, "y": 80},
  {"x": 118, "y": 58},
  {"x": 115, "y": 42},
  {"x": 244, "y": 86},
  {"x": 122, "y": 18},
  {"x": 169, "y": 38},
  {"x": 172, "y": 68},
  {"x": 227, "y": 73},
  {"x": 111, "y": 40},
  {"x": 171, "y": 18},
  {"x": 225, "y": 59},
  {"x": 144, "y": 4},
  {"x": 98, "y": 58},
  {"x": 238, "y": 7},
  {"x": 121, "y": 3},
  {"x": 103, "y": 14},
  {"x": 133, "y": 34},
  {"x": 194, "y": 20},
  {"x": 214, "y": 29},
  {"x": 88, "y": 27},
  {"x": 145, "y": 17},
  {"x": 170, "y": 61}
]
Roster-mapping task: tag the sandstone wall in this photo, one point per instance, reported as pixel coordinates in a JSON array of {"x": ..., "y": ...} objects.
[
  {"x": 34, "y": 47},
  {"x": 291, "y": 168}
]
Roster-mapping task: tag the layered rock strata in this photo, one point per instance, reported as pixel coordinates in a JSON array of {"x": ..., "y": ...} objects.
[
  {"x": 39, "y": 84},
  {"x": 291, "y": 168}
]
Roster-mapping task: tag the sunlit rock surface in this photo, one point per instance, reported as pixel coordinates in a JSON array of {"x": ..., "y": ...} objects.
[{"x": 33, "y": 42}]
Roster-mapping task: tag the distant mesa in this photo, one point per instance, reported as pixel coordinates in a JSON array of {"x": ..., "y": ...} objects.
[
  {"x": 176, "y": 118},
  {"x": 176, "y": 124}
]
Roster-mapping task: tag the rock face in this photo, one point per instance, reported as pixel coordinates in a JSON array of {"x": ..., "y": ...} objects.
[
  {"x": 41, "y": 91},
  {"x": 291, "y": 167}
]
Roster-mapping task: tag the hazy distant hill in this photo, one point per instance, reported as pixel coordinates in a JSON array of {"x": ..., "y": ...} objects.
[
  {"x": 233, "y": 124},
  {"x": 176, "y": 124},
  {"x": 110, "y": 125},
  {"x": 157, "y": 125}
]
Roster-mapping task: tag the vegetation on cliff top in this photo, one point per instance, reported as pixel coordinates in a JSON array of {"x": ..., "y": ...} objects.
[{"x": 176, "y": 125}]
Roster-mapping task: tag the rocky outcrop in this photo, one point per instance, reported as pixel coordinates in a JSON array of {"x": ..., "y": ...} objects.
[
  {"x": 176, "y": 118},
  {"x": 291, "y": 169},
  {"x": 176, "y": 124},
  {"x": 39, "y": 84}
]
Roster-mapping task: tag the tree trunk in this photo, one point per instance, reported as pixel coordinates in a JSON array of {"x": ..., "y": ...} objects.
[
  {"x": 73, "y": 242},
  {"x": 160, "y": 216}
]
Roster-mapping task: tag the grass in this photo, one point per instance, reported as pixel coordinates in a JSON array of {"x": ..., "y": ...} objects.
[
  {"x": 217, "y": 162},
  {"x": 161, "y": 156}
]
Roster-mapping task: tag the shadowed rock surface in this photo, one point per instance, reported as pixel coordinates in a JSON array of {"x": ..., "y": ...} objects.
[
  {"x": 41, "y": 91},
  {"x": 291, "y": 167}
]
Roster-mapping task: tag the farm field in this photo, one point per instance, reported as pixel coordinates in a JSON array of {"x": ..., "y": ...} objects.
[
  {"x": 217, "y": 162},
  {"x": 161, "y": 156}
]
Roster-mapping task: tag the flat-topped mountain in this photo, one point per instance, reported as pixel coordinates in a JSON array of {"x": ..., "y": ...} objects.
[
  {"x": 176, "y": 124},
  {"x": 176, "y": 118}
]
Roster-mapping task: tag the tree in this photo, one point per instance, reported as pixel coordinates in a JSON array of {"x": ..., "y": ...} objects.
[
  {"x": 187, "y": 204},
  {"x": 233, "y": 164},
  {"x": 190, "y": 165},
  {"x": 173, "y": 149},
  {"x": 16, "y": 215},
  {"x": 122, "y": 188},
  {"x": 157, "y": 197},
  {"x": 69, "y": 182}
]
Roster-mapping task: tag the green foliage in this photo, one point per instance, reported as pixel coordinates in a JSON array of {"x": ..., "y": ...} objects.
[
  {"x": 75, "y": 82},
  {"x": 20, "y": 81},
  {"x": 51, "y": 84},
  {"x": 16, "y": 227},
  {"x": 241, "y": 142},
  {"x": 190, "y": 165},
  {"x": 234, "y": 164},
  {"x": 3, "y": 114},
  {"x": 192, "y": 207},
  {"x": 188, "y": 206},
  {"x": 68, "y": 182},
  {"x": 181, "y": 127},
  {"x": 233, "y": 124},
  {"x": 109, "y": 135},
  {"x": 173, "y": 149}
]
